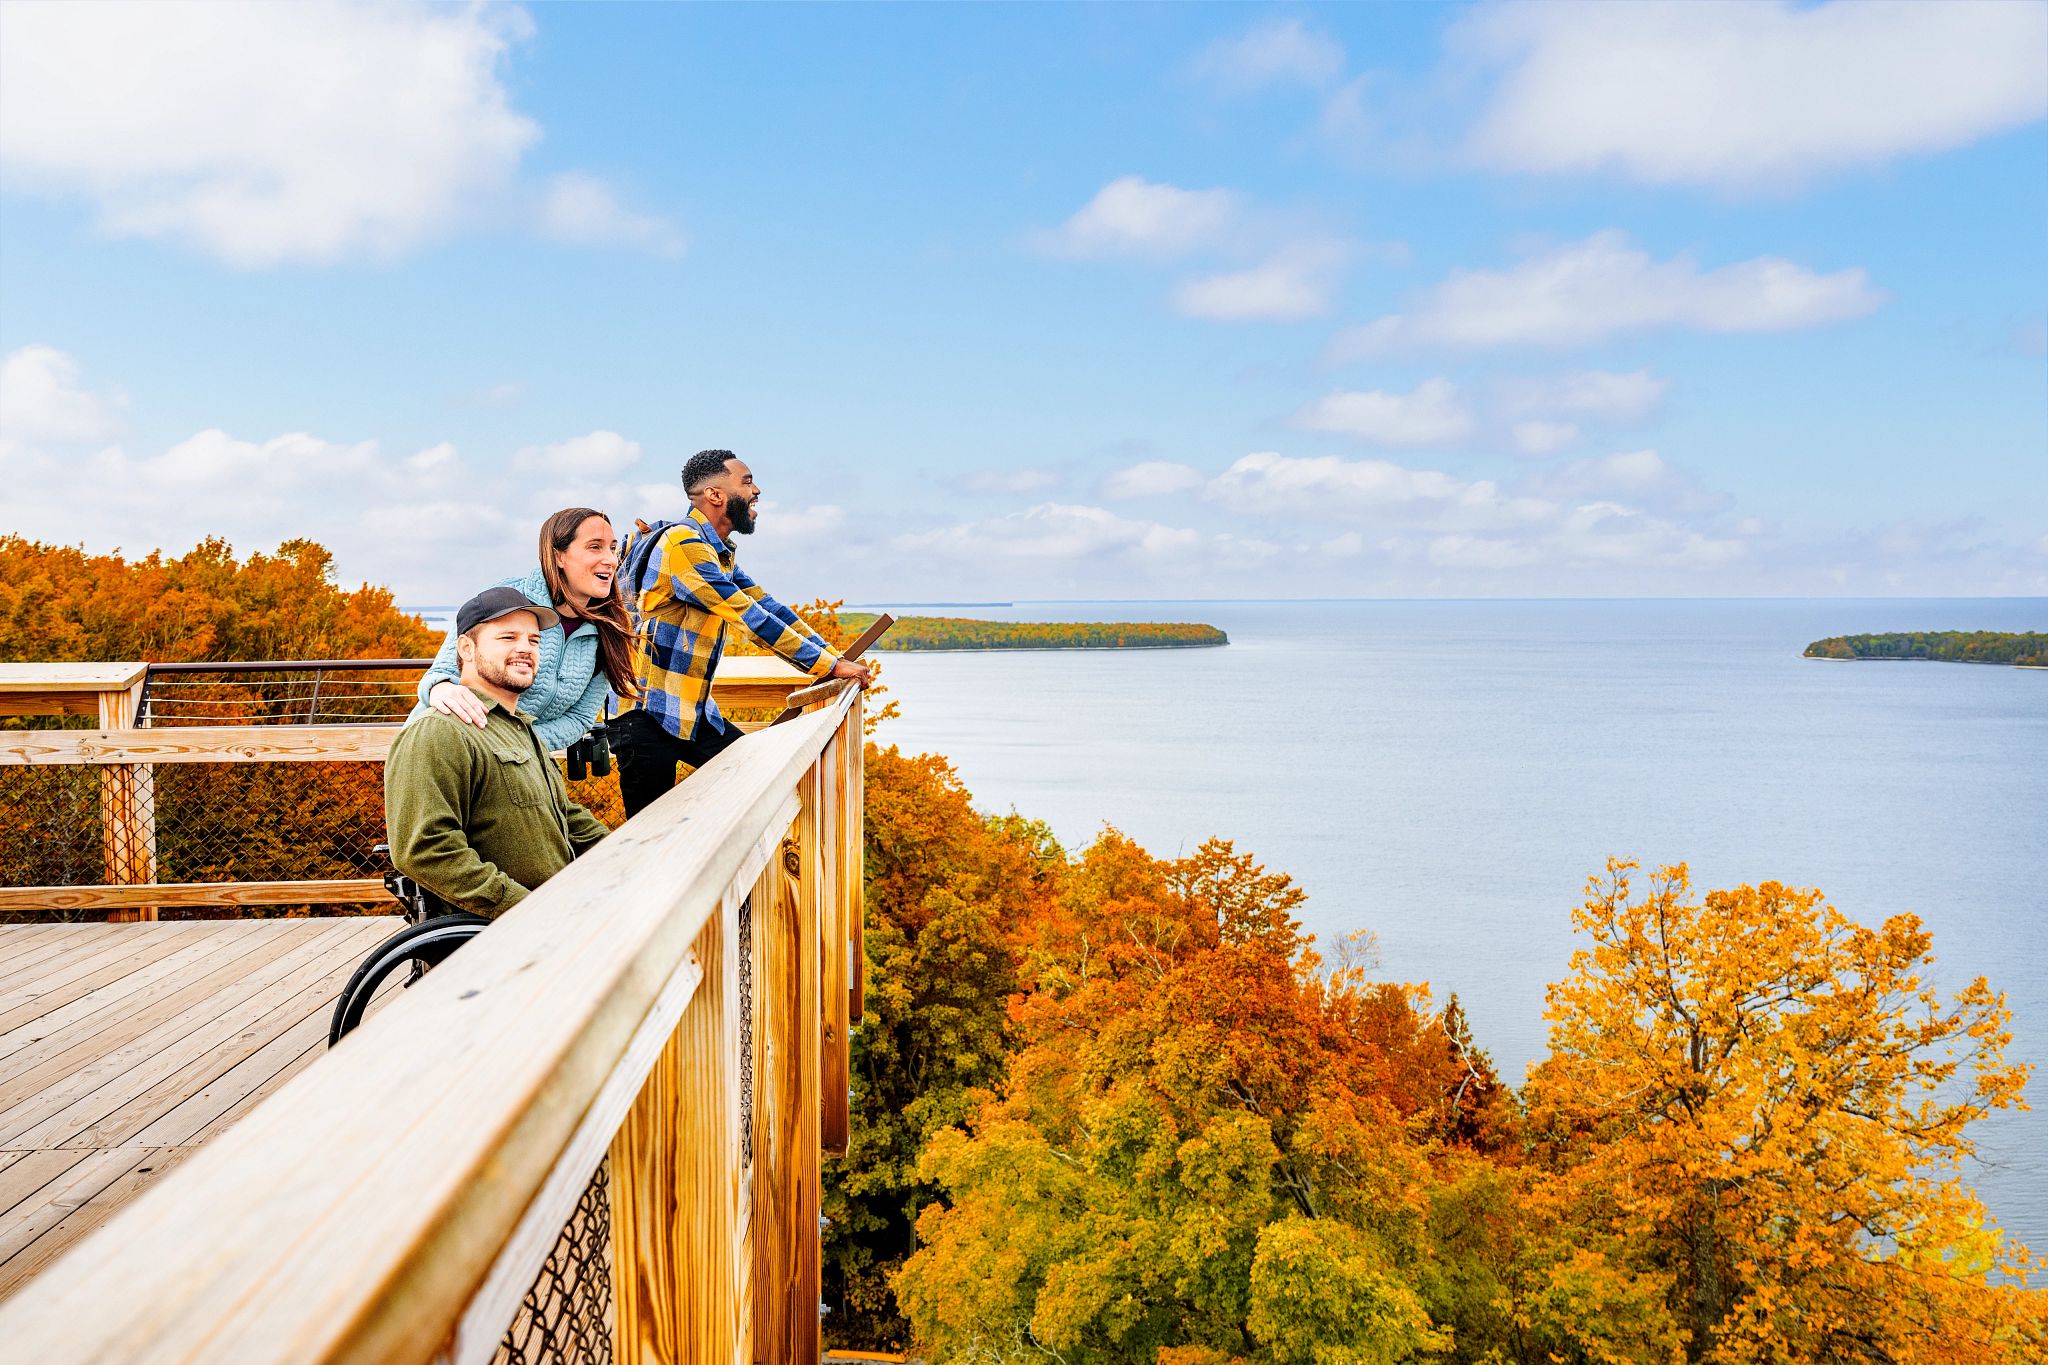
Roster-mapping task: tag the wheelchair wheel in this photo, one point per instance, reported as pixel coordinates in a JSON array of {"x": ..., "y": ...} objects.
[{"x": 414, "y": 949}]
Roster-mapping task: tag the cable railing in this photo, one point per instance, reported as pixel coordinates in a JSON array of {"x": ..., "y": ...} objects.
[{"x": 280, "y": 692}]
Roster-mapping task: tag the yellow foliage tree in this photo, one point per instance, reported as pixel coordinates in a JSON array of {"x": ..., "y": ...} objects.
[{"x": 1764, "y": 1107}]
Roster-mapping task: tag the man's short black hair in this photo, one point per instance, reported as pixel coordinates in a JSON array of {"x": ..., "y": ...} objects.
[{"x": 703, "y": 467}]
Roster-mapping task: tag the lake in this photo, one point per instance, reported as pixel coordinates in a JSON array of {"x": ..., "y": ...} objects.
[{"x": 1448, "y": 774}]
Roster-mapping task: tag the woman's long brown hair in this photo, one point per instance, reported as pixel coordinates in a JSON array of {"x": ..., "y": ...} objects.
[{"x": 614, "y": 627}]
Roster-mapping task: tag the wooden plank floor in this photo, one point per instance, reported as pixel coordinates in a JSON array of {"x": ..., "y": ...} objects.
[{"x": 125, "y": 1046}]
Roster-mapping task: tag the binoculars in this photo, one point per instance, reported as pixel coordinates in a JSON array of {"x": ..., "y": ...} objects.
[{"x": 591, "y": 755}]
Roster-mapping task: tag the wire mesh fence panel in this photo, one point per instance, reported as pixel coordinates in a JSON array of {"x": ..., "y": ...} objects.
[
  {"x": 567, "y": 1316},
  {"x": 178, "y": 823},
  {"x": 50, "y": 826},
  {"x": 169, "y": 823},
  {"x": 263, "y": 822},
  {"x": 84, "y": 825}
]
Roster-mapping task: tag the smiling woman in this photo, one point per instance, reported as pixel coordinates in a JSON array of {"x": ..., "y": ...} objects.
[{"x": 590, "y": 652}]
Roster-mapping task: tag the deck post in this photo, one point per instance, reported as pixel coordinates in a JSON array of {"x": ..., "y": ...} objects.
[
  {"x": 675, "y": 1181},
  {"x": 787, "y": 1263},
  {"x": 834, "y": 1117},
  {"x": 127, "y": 809}
]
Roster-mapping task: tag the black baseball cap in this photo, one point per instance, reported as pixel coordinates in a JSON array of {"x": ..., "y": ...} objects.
[{"x": 492, "y": 603}]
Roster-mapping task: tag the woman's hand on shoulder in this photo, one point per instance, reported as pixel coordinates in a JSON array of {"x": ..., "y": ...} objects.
[{"x": 453, "y": 699}]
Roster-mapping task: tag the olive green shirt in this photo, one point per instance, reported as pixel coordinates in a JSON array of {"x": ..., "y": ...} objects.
[{"x": 480, "y": 817}]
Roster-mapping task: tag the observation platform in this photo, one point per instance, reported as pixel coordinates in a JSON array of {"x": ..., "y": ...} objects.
[
  {"x": 124, "y": 1047},
  {"x": 594, "y": 1134}
]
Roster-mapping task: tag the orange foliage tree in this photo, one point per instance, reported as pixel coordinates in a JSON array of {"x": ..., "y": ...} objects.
[
  {"x": 946, "y": 887},
  {"x": 58, "y": 602},
  {"x": 1760, "y": 1108},
  {"x": 213, "y": 822},
  {"x": 1207, "y": 1148}
]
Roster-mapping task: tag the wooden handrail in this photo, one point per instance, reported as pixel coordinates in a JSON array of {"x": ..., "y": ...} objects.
[
  {"x": 201, "y": 744},
  {"x": 364, "y": 1211},
  {"x": 333, "y": 891}
]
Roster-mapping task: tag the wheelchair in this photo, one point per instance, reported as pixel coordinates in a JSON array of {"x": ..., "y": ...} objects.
[{"x": 432, "y": 932}]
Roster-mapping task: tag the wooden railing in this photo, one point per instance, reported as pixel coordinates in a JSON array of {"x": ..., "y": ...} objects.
[
  {"x": 664, "y": 1023},
  {"x": 126, "y": 758}
]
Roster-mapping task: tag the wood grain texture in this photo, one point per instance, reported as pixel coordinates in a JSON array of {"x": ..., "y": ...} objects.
[
  {"x": 675, "y": 1183},
  {"x": 32, "y": 679},
  {"x": 856, "y": 1004},
  {"x": 119, "y": 1065},
  {"x": 202, "y": 744},
  {"x": 353, "y": 1215},
  {"x": 784, "y": 1232},
  {"x": 49, "y": 704},
  {"x": 127, "y": 804},
  {"x": 344, "y": 891},
  {"x": 833, "y": 874}
]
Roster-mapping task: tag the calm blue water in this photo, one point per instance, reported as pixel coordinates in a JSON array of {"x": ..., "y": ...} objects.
[{"x": 1447, "y": 774}]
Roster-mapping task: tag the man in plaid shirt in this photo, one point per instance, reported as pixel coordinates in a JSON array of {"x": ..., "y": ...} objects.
[{"x": 687, "y": 593}]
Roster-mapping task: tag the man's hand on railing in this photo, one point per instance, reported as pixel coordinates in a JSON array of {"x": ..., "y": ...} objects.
[
  {"x": 859, "y": 672},
  {"x": 453, "y": 699}
]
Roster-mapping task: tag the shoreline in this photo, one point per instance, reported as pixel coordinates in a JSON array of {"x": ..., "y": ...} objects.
[
  {"x": 1889, "y": 659},
  {"x": 1056, "y": 649}
]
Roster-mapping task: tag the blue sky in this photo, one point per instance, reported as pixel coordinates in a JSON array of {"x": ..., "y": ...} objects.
[{"x": 1044, "y": 301}]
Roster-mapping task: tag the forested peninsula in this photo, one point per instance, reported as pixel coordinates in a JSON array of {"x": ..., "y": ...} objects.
[
  {"x": 1117, "y": 1108},
  {"x": 927, "y": 633},
  {"x": 2027, "y": 650}
]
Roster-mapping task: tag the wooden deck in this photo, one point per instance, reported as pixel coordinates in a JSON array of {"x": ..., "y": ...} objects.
[{"x": 123, "y": 1047}]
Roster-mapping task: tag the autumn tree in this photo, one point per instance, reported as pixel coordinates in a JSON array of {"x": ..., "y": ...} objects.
[
  {"x": 946, "y": 887},
  {"x": 1207, "y": 1149},
  {"x": 1760, "y": 1108},
  {"x": 58, "y": 603}
]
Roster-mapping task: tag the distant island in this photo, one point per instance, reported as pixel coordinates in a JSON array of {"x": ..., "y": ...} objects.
[
  {"x": 921, "y": 633},
  {"x": 2027, "y": 650}
]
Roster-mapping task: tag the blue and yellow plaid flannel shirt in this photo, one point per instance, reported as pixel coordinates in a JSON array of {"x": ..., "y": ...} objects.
[{"x": 688, "y": 590}]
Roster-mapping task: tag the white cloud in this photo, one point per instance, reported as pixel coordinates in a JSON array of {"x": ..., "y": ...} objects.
[
  {"x": 1601, "y": 395},
  {"x": 1640, "y": 477},
  {"x": 1133, "y": 216},
  {"x": 581, "y": 208},
  {"x": 421, "y": 520},
  {"x": 664, "y": 500},
  {"x": 1429, "y": 415},
  {"x": 1588, "y": 291},
  {"x": 1539, "y": 437},
  {"x": 1460, "y": 551},
  {"x": 1295, "y": 283},
  {"x": 1634, "y": 470},
  {"x": 424, "y": 520},
  {"x": 1053, "y": 531},
  {"x": 264, "y": 134},
  {"x": 1326, "y": 486},
  {"x": 798, "y": 524},
  {"x": 42, "y": 399},
  {"x": 599, "y": 455},
  {"x": 497, "y": 395},
  {"x": 1152, "y": 478},
  {"x": 1475, "y": 525},
  {"x": 1276, "y": 52},
  {"x": 1009, "y": 481},
  {"x": 1740, "y": 95},
  {"x": 1613, "y": 533}
]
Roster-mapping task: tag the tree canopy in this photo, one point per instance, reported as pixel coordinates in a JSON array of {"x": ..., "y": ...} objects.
[{"x": 2029, "y": 649}]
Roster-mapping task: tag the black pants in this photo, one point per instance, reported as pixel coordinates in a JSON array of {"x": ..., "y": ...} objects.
[{"x": 647, "y": 755}]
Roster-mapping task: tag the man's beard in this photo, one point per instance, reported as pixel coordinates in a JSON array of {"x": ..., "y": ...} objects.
[
  {"x": 742, "y": 513},
  {"x": 500, "y": 675}
]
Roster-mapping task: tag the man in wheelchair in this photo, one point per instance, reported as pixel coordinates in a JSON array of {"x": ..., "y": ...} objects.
[
  {"x": 477, "y": 817},
  {"x": 480, "y": 817}
]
